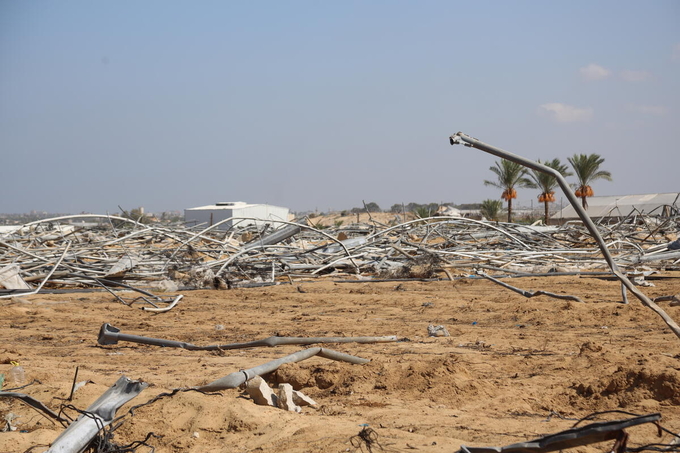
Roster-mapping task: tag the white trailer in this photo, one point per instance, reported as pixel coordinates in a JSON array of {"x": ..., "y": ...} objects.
[{"x": 240, "y": 213}]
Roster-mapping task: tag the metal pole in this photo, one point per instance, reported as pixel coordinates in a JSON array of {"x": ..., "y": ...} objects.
[
  {"x": 237, "y": 378},
  {"x": 100, "y": 414},
  {"x": 466, "y": 140}
]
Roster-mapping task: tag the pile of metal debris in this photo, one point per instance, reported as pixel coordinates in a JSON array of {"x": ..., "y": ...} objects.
[{"x": 121, "y": 253}]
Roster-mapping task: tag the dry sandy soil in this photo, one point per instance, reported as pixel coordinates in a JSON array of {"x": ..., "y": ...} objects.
[{"x": 512, "y": 369}]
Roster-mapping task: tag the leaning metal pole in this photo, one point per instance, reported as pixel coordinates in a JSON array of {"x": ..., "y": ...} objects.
[{"x": 466, "y": 140}]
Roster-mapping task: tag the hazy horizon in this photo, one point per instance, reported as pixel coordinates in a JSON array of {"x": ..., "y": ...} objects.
[{"x": 320, "y": 105}]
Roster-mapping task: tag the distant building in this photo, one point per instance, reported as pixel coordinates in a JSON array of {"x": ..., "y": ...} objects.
[
  {"x": 447, "y": 211},
  {"x": 657, "y": 204},
  {"x": 240, "y": 213}
]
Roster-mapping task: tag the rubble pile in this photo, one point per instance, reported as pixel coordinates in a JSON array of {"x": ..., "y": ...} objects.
[{"x": 118, "y": 252}]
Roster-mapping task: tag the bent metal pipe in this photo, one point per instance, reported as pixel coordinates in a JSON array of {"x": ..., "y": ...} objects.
[{"x": 466, "y": 140}]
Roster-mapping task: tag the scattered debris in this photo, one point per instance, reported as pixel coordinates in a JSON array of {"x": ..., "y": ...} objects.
[
  {"x": 674, "y": 299},
  {"x": 640, "y": 281},
  {"x": 301, "y": 399},
  {"x": 437, "y": 331},
  {"x": 174, "y": 302},
  {"x": 33, "y": 403},
  {"x": 234, "y": 380},
  {"x": 122, "y": 254},
  {"x": 16, "y": 374},
  {"x": 528, "y": 294},
  {"x": 368, "y": 438},
  {"x": 285, "y": 399},
  {"x": 9, "y": 419},
  {"x": 260, "y": 392},
  {"x": 574, "y": 437},
  {"x": 109, "y": 335},
  {"x": 10, "y": 278}
]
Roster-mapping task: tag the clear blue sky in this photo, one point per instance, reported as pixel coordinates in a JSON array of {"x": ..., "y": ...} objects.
[{"x": 319, "y": 104}]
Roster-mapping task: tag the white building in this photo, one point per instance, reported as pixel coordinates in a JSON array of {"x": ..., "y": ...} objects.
[
  {"x": 240, "y": 213},
  {"x": 659, "y": 204}
]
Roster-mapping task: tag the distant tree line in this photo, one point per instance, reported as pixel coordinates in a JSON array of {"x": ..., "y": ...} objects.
[
  {"x": 411, "y": 207},
  {"x": 511, "y": 176},
  {"x": 420, "y": 209},
  {"x": 370, "y": 207}
]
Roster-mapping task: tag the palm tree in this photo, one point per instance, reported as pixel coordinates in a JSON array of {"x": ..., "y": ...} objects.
[
  {"x": 422, "y": 212},
  {"x": 491, "y": 208},
  {"x": 587, "y": 170},
  {"x": 510, "y": 175},
  {"x": 547, "y": 183}
]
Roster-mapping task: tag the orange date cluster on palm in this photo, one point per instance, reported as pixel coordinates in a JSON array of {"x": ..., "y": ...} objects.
[
  {"x": 509, "y": 194},
  {"x": 584, "y": 191},
  {"x": 549, "y": 197}
]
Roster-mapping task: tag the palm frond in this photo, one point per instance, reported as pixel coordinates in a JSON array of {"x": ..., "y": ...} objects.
[
  {"x": 545, "y": 182},
  {"x": 587, "y": 168},
  {"x": 509, "y": 175},
  {"x": 491, "y": 209},
  {"x": 602, "y": 175}
]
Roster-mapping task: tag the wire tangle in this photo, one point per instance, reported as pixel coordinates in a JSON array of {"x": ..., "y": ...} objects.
[{"x": 367, "y": 437}]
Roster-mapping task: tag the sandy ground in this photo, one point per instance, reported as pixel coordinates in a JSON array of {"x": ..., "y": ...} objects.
[{"x": 512, "y": 369}]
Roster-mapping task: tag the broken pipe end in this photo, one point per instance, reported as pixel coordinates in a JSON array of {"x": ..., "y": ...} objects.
[
  {"x": 455, "y": 139},
  {"x": 108, "y": 334}
]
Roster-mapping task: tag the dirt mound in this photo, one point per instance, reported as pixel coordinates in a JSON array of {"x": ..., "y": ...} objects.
[
  {"x": 628, "y": 386},
  {"x": 438, "y": 379}
]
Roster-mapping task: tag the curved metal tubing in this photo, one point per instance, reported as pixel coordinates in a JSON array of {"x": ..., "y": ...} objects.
[
  {"x": 445, "y": 220},
  {"x": 246, "y": 249},
  {"x": 461, "y": 138},
  {"x": 111, "y": 335},
  {"x": 237, "y": 378}
]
